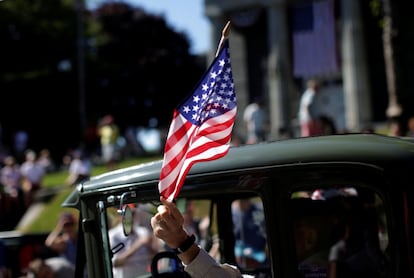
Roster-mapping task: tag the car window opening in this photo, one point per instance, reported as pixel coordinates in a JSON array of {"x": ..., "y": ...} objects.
[{"x": 339, "y": 232}]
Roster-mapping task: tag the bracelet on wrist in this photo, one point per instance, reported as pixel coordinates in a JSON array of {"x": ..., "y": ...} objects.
[{"x": 185, "y": 245}]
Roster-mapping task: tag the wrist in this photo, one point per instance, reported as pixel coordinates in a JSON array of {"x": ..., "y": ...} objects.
[
  {"x": 185, "y": 245},
  {"x": 178, "y": 239},
  {"x": 188, "y": 256}
]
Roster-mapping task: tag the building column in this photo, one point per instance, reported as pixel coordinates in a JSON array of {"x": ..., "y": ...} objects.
[
  {"x": 278, "y": 76},
  {"x": 358, "y": 113}
]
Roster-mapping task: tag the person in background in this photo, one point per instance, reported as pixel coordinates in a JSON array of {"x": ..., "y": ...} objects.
[
  {"x": 249, "y": 231},
  {"x": 45, "y": 160},
  {"x": 38, "y": 268},
  {"x": 50, "y": 268},
  {"x": 256, "y": 120},
  {"x": 66, "y": 160},
  {"x": 80, "y": 168},
  {"x": 191, "y": 224},
  {"x": 394, "y": 127},
  {"x": 134, "y": 258},
  {"x": 328, "y": 126},
  {"x": 108, "y": 133},
  {"x": 168, "y": 225},
  {"x": 308, "y": 118},
  {"x": 410, "y": 127},
  {"x": 32, "y": 174},
  {"x": 11, "y": 181},
  {"x": 63, "y": 238},
  {"x": 209, "y": 242}
]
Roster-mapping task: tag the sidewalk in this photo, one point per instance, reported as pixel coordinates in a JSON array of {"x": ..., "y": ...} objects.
[
  {"x": 31, "y": 214},
  {"x": 44, "y": 195}
]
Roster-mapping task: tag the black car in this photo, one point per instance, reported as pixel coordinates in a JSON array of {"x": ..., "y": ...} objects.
[{"x": 337, "y": 205}]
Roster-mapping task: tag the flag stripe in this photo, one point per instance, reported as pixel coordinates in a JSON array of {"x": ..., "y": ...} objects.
[
  {"x": 201, "y": 127},
  {"x": 201, "y": 144}
]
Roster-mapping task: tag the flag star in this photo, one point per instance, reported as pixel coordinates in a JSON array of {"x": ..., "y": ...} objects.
[
  {"x": 225, "y": 106},
  {"x": 186, "y": 109},
  {"x": 196, "y": 98},
  {"x": 216, "y": 104},
  {"x": 222, "y": 62},
  {"x": 195, "y": 108},
  {"x": 204, "y": 96},
  {"x": 213, "y": 74},
  {"x": 205, "y": 87}
]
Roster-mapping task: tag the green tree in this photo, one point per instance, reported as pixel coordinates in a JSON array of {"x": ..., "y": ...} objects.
[
  {"x": 36, "y": 37},
  {"x": 142, "y": 62},
  {"x": 136, "y": 67},
  {"x": 37, "y": 54}
]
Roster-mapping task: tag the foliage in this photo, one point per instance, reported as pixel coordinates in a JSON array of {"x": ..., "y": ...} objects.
[
  {"x": 136, "y": 67},
  {"x": 38, "y": 33},
  {"x": 142, "y": 61}
]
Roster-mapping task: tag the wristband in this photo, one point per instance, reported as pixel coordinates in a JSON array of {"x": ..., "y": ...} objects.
[{"x": 185, "y": 245}]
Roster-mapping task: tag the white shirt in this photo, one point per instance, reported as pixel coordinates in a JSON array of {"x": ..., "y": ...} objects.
[
  {"x": 248, "y": 112},
  {"x": 307, "y": 100},
  {"x": 32, "y": 171},
  {"x": 80, "y": 167},
  {"x": 205, "y": 266},
  {"x": 138, "y": 263}
]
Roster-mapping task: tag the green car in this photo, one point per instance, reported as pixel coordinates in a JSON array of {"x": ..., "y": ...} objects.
[{"x": 329, "y": 206}]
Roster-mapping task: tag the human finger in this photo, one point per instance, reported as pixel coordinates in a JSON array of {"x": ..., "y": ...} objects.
[{"x": 172, "y": 208}]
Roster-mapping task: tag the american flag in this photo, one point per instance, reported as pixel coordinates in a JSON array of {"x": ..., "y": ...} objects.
[
  {"x": 201, "y": 126},
  {"x": 314, "y": 42}
]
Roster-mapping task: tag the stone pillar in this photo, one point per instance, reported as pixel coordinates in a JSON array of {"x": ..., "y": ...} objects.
[
  {"x": 354, "y": 68},
  {"x": 278, "y": 76}
]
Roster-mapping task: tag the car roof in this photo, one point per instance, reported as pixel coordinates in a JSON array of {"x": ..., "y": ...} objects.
[{"x": 378, "y": 150}]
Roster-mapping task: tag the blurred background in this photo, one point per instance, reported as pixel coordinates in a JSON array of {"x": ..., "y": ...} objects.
[{"x": 65, "y": 64}]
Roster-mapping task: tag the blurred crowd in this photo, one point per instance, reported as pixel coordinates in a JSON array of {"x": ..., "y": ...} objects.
[
  {"x": 22, "y": 169},
  {"x": 133, "y": 253},
  {"x": 21, "y": 180},
  {"x": 317, "y": 115}
]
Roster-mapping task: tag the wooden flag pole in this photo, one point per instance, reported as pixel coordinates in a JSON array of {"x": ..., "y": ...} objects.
[{"x": 224, "y": 36}]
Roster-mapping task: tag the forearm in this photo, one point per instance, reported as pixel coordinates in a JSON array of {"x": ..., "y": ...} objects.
[
  {"x": 188, "y": 256},
  {"x": 167, "y": 225},
  {"x": 52, "y": 237},
  {"x": 201, "y": 264}
]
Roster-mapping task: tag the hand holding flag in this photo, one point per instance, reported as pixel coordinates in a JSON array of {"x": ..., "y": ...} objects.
[{"x": 201, "y": 127}]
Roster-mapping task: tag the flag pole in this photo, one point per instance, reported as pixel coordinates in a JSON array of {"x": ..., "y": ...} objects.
[{"x": 224, "y": 36}]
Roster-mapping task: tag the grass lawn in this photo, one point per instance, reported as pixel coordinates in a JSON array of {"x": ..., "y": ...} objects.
[{"x": 49, "y": 215}]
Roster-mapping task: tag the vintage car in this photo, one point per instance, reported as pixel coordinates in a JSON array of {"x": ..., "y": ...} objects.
[{"x": 329, "y": 206}]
